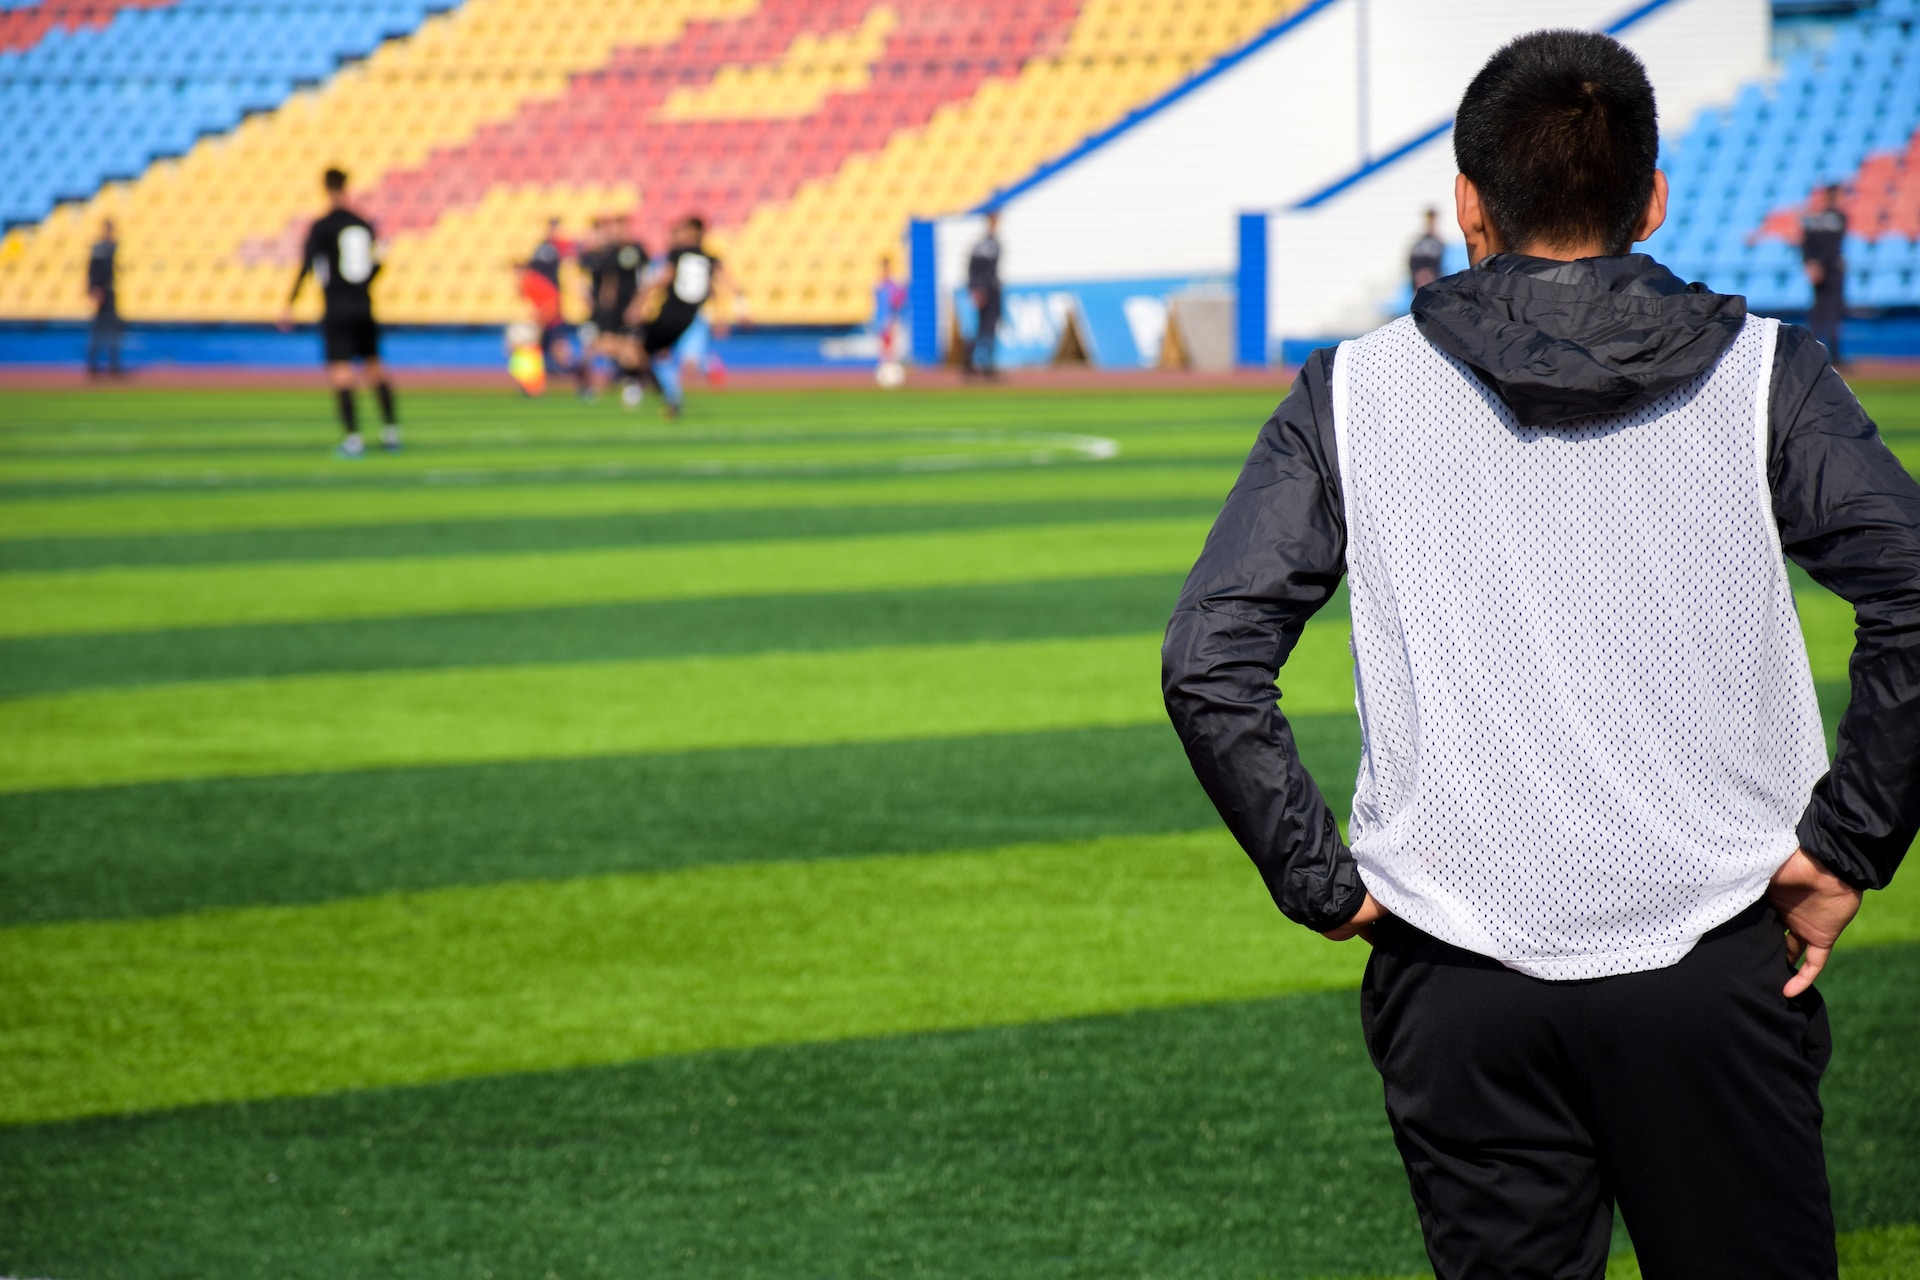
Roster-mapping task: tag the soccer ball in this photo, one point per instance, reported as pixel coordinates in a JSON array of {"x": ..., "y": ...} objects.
[{"x": 890, "y": 374}]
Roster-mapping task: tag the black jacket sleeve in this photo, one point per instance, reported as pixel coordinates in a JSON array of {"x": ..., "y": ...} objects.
[
  {"x": 1274, "y": 557},
  {"x": 1849, "y": 515}
]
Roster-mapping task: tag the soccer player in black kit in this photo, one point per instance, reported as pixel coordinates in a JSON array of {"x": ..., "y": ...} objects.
[
  {"x": 340, "y": 254},
  {"x": 983, "y": 286},
  {"x": 617, "y": 269},
  {"x": 668, "y": 308},
  {"x": 1823, "y": 238}
]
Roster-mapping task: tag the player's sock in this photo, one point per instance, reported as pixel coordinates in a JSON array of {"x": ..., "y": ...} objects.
[
  {"x": 349, "y": 412},
  {"x": 384, "y": 392}
]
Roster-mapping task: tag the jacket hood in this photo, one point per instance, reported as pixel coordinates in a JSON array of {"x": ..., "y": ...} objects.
[{"x": 1560, "y": 341}]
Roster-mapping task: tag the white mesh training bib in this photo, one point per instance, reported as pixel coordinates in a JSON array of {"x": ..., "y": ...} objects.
[{"x": 1589, "y": 725}]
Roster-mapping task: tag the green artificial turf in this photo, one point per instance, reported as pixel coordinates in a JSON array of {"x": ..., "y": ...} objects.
[
  {"x": 403, "y": 988},
  {"x": 588, "y": 741},
  {"x": 95, "y": 600},
  {"x": 1227, "y": 1140}
]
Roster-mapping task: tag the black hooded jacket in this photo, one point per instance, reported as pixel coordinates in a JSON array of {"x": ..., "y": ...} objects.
[{"x": 1557, "y": 341}]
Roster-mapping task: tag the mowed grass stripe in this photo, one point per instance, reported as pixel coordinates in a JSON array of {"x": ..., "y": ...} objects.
[
  {"x": 591, "y": 633},
  {"x": 175, "y": 513},
  {"x": 176, "y": 847},
  {"x": 335, "y": 723},
  {"x": 172, "y": 847},
  {"x": 418, "y": 463},
  {"x": 468, "y": 415},
  {"x": 1230, "y": 1140},
  {"x": 569, "y": 533},
  {"x": 409, "y": 988},
  {"x": 587, "y": 633},
  {"x": 105, "y": 600},
  {"x": 405, "y": 988}
]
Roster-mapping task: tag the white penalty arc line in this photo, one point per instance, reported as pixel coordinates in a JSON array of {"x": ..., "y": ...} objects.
[{"x": 1044, "y": 449}]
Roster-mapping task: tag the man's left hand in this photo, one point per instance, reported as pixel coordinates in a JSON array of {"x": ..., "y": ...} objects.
[
  {"x": 1815, "y": 905},
  {"x": 1360, "y": 925}
]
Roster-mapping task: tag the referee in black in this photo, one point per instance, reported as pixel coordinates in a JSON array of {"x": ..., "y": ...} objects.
[
  {"x": 341, "y": 254},
  {"x": 103, "y": 338},
  {"x": 1823, "y": 240},
  {"x": 1428, "y": 253}
]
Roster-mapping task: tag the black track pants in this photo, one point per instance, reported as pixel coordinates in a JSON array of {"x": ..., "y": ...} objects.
[
  {"x": 1525, "y": 1110},
  {"x": 1829, "y": 313}
]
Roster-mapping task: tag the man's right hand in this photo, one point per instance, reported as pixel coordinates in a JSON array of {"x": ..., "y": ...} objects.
[
  {"x": 1360, "y": 925},
  {"x": 1816, "y": 273},
  {"x": 285, "y": 323}
]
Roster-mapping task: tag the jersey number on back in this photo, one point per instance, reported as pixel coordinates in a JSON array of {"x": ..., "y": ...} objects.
[
  {"x": 691, "y": 277},
  {"x": 356, "y": 254}
]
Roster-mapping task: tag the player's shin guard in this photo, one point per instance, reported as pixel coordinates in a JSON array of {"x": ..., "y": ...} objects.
[
  {"x": 349, "y": 413},
  {"x": 383, "y": 391}
]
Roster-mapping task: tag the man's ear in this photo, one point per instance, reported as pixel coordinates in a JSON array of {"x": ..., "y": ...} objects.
[
  {"x": 1656, "y": 213},
  {"x": 1482, "y": 241}
]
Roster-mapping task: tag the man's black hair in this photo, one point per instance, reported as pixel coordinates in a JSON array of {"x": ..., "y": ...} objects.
[
  {"x": 1560, "y": 135},
  {"x": 695, "y": 223},
  {"x": 334, "y": 180}
]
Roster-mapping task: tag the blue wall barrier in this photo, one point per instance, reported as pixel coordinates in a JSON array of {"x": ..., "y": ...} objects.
[
  {"x": 1250, "y": 284},
  {"x": 404, "y": 346}
]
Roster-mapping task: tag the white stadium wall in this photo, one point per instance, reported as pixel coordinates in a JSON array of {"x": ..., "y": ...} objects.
[
  {"x": 1338, "y": 267},
  {"x": 1322, "y": 97}
]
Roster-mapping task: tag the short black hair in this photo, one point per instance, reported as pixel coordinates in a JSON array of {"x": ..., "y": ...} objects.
[
  {"x": 335, "y": 179},
  {"x": 695, "y": 223},
  {"x": 1560, "y": 134}
]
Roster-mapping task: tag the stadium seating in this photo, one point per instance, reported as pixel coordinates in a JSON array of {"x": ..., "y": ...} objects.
[
  {"x": 1742, "y": 175},
  {"x": 806, "y": 132},
  {"x": 104, "y": 94}
]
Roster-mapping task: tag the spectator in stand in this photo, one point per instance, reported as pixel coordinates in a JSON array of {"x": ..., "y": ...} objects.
[
  {"x": 1423, "y": 260},
  {"x": 983, "y": 285},
  {"x": 1823, "y": 235},
  {"x": 103, "y": 339}
]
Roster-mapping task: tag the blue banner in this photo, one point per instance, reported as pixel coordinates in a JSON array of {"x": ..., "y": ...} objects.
[{"x": 1119, "y": 323}]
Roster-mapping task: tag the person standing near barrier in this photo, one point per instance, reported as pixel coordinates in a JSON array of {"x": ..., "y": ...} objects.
[
  {"x": 1596, "y": 843},
  {"x": 103, "y": 336},
  {"x": 1823, "y": 244},
  {"x": 1424, "y": 259},
  {"x": 983, "y": 286}
]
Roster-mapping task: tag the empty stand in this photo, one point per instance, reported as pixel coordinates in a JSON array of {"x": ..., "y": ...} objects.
[{"x": 1846, "y": 113}]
